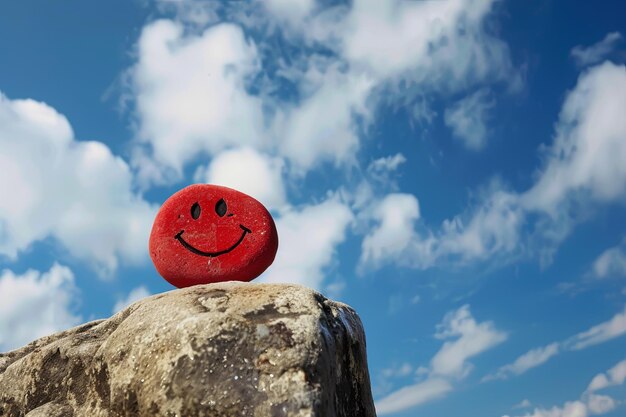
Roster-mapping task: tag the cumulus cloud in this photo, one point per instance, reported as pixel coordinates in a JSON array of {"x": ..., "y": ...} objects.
[
  {"x": 133, "y": 296},
  {"x": 324, "y": 126},
  {"x": 468, "y": 117},
  {"x": 396, "y": 215},
  {"x": 589, "y": 55},
  {"x": 190, "y": 95},
  {"x": 442, "y": 44},
  {"x": 76, "y": 192},
  {"x": 249, "y": 171},
  {"x": 528, "y": 360},
  {"x": 464, "y": 338},
  {"x": 583, "y": 166},
  {"x": 224, "y": 83},
  {"x": 308, "y": 240},
  {"x": 36, "y": 304}
]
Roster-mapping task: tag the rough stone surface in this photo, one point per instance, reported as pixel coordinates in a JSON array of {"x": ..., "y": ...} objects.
[
  {"x": 207, "y": 233},
  {"x": 220, "y": 350}
]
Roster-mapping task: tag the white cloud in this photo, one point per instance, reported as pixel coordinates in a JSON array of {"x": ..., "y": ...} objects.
[
  {"x": 398, "y": 371},
  {"x": 590, "y": 144},
  {"x": 76, "y": 192},
  {"x": 248, "y": 171},
  {"x": 371, "y": 47},
  {"x": 600, "y": 404},
  {"x": 528, "y": 360},
  {"x": 468, "y": 119},
  {"x": 323, "y": 126},
  {"x": 611, "y": 263},
  {"x": 493, "y": 228},
  {"x": 308, "y": 241},
  {"x": 396, "y": 215},
  {"x": 191, "y": 97},
  {"x": 472, "y": 338},
  {"x": 36, "y": 304},
  {"x": 133, "y": 296},
  {"x": 413, "y": 395},
  {"x": 525, "y": 403},
  {"x": 593, "y": 405},
  {"x": 614, "y": 376},
  {"x": 600, "y": 333},
  {"x": 289, "y": 12},
  {"x": 197, "y": 13},
  {"x": 224, "y": 86},
  {"x": 570, "y": 409},
  {"x": 442, "y": 44},
  {"x": 589, "y": 403},
  {"x": 595, "y": 53},
  {"x": 583, "y": 166},
  {"x": 386, "y": 164},
  {"x": 449, "y": 364}
]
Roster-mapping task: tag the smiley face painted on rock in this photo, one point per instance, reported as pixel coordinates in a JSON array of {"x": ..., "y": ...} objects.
[{"x": 207, "y": 233}]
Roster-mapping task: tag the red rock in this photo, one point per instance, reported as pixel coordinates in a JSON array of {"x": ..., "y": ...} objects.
[{"x": 208, "y": 233}]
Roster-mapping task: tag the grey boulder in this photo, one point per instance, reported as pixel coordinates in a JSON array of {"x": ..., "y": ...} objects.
[{"x": 227, "y": 349}]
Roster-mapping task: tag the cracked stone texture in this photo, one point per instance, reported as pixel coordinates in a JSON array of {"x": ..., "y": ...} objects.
[{"x": 219, "y": 350}]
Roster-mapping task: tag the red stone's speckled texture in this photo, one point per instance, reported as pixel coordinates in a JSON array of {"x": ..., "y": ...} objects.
[{"x": 208, "y": 233}]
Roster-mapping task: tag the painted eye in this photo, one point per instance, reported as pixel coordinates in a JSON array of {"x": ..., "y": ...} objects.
[
  {"x": 221, "y": 207},
  {"x": 195, "y": 211}
]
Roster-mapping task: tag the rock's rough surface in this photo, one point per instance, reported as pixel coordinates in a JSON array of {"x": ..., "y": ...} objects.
[
  {"x": 220, "y": 350},
  {"x": 205, "y": 233}
]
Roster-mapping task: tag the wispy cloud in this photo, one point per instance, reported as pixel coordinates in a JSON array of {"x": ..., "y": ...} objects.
[
  {"x": 600, "y": 333},
  {"x": 464, "y": 338},
  {"x": 583, "y": 167},
  {"x": 525, "y": 403},
  {"x": 528, "y": 360},
  {"x": 611, "y": 263},
  {"x": 589, "y": 55},
  {"x": 468, "y": 118},
  {"x": 589, "y": 403}
]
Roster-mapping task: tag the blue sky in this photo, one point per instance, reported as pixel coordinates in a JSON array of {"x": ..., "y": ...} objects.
[{"x": 454, "y": 170}]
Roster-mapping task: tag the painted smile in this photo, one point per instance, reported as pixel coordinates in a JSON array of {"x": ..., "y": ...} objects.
[{"x": 190, "y": 248}]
